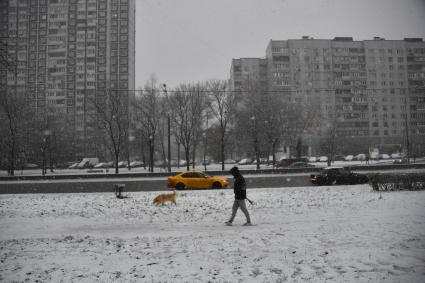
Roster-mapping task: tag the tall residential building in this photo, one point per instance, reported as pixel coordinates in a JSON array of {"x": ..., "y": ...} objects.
[
  {"x": 372, "y": 91},
  {"x": 67, "y": 54}
]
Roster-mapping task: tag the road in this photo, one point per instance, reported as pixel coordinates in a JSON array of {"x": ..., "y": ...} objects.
[
  {"x": 137, "y": 184},
  {"x": 133, "y": 184}
]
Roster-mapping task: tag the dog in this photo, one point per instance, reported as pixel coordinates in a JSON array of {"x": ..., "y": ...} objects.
[{"x": 162, "y": 198}]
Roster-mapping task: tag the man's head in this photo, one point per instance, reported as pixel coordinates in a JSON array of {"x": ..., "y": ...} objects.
[{"x": 234, "y": 171}]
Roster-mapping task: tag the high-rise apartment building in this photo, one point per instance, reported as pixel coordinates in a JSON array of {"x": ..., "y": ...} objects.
[
  {"x": 68, "y": 53},
  {"x": 372, "y": 91}
]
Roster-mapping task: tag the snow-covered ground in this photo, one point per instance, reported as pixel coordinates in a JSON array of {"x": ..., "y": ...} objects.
[{"x": 308, "y": 234}]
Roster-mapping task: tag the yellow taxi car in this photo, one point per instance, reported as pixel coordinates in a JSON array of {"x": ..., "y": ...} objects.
[{"x": 194, "y": 179}]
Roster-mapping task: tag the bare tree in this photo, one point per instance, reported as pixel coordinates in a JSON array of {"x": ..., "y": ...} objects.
[
  {"x": 303, "y": 117},
  {"x": 251, "y": 114},
  {"x": 13, "y": 113},
  {"x": 148, "y": 115},
  {"x": 113, "y": 120},
  {"x": 279, "y": 117},
  {"x": 329, "y": 143},
  {"x": 188, "y": 105},
  {"x": 6, "y": 62},
  {"x": 222, "y": 104}
]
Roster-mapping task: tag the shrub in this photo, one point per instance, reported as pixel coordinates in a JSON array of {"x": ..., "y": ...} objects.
[{"x": 397, "y": 182}]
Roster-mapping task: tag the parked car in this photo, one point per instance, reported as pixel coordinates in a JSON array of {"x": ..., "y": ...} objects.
[
  {"x": 301, "y": 165},
  {"x": 88, "y": 163},
  {"x": 284, "y": 163},
  {"x": 396, "y": 155},
  {"x": 195, "y": 179},
  {"x": 99, "y": 165},
  {"x": 160, "y": 163},
  {"x": 30, "y": 166},
  {"x": 122, "y": 164},
  {"x": 374, "y": 155},
  {"x": 339, "y": 158},
  {"x": 245, "y": 161},
  {"x": 109, "y": 164},
  {"x": 312, "y": 159},
  {"x": 136, "y": 164},
  {"x": 74, "y": 166},
  {"x": 229, "y": 161},
  {"x": 183, "y": 162},
  {"x": 323, "y": 159},
  {"x": 385, "y": 156},
  {"x": 361, "y": 157},
  {"x": 337, "y": 175},
  {"x": 349, "y": 158}
]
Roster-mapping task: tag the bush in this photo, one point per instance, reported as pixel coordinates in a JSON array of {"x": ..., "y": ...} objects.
[{"x": 397, "y": 182}]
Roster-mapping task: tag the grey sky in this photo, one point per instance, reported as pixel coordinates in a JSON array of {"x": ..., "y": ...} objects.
[{"x": 194, "y": 40}]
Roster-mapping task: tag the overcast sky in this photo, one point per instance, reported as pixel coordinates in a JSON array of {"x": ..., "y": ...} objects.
[{"x": 195, "y": 40}]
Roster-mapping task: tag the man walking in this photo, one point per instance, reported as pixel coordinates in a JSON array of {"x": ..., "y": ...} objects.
[{"x": 239, "y": 189}]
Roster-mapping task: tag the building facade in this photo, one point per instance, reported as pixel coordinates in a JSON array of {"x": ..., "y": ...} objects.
[
  {"x": 371, "y": 91},
  {"x": 68, "y": 54}
]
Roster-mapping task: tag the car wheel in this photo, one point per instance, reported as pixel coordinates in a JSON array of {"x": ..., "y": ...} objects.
[
  {"x": 180, "y": 186},
  {"x": 216, "y": 185}
]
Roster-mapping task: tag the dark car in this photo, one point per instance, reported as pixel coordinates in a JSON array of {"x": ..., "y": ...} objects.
[
  {"x": 284, "y": 163},
  {"x": 339, "y": 158},
  {"x": 301, "y": 165},
  {"x": 401, "y": 161},
  {"x": 339, "y": 176}
]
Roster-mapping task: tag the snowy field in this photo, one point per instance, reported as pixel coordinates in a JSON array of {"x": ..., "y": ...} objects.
[{"x": 308, "y": 234}]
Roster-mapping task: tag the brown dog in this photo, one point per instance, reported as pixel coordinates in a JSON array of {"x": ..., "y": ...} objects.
[{"x": 162, "y": 198}]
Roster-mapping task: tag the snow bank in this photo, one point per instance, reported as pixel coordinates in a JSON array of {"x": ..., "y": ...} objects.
[{"x": 311, "y": 234}]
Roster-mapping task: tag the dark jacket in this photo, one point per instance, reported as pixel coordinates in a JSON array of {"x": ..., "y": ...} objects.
[{"x": 239, "y": 186}]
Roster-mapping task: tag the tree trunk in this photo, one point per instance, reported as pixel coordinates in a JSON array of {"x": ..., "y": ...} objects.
[
  {"x": 116, "y": 162},
  {"x": 193, "y": 156},
  {"x": 50, "y": 156},
  {"x": 11, "y": 169},
  {"x": 299, "y": 147},
  {"x": 12, "y": 150},
  {"x": 12, "y": 158},
  {"x": 187, "y": 155},
  {"x": 178, "y": 155},
  {"x": 222, "y": 152}
]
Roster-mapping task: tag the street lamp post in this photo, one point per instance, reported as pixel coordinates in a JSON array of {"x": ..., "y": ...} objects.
[
  {"x": 150, "y": 154},
  {"x": 407, "y": 113},
  {"x": 164, "y": 86},
  {"x": 46, "y": 134},
  {"x": 205, "y": 150},
  {"x": 131, "y": 138},
  {"x": 254, "y": 132}
]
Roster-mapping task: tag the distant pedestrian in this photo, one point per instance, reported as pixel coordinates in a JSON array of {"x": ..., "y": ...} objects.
[
  {"x": 239, "y": 188},
  {"x": 367, "y": 159}
]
